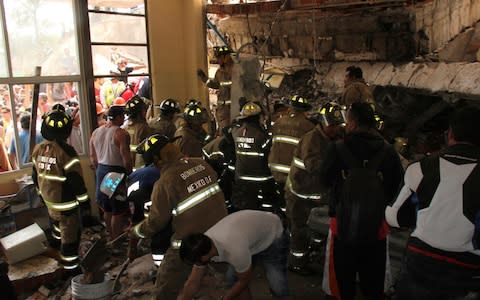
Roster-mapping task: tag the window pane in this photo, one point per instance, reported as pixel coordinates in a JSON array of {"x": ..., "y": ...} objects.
[
  {"x": 64, "y": 93},
  {"x": 3, "y": 54},
  {"x": 119, "y": 6},
  {"x": 105, "y": 59},
  {"x": 108, "y": 28},
  {"x": 6, "y": 128},
  {"x": 42, "y": 33}
]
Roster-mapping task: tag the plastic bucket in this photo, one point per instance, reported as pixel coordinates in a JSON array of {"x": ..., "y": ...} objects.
[{"x": 100, "y": 291}]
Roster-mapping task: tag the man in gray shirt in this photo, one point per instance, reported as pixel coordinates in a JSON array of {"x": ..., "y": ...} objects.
[{"x": 242, "y": 239}]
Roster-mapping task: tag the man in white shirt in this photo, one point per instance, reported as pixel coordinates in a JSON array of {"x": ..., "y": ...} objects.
[{"x": 242, "y": 239}]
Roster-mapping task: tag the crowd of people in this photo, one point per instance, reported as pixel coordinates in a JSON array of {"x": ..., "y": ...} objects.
[{"x": 243, "y": 194}]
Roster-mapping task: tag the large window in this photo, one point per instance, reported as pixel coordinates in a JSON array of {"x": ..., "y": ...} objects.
[
  {"x": 46, "y": 59},
  {"x": 119, "y": 45}
]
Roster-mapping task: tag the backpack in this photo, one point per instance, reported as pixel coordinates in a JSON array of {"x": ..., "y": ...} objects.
[{"x": 361, "y": 198}]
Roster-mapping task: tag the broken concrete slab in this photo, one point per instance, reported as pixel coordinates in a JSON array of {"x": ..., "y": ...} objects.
[
  {"x": 385, "y": 76},
  {"x": 403, "y": 74},
  {"x": 467, "y": 80},
  {"x": 28, "y": 275}
]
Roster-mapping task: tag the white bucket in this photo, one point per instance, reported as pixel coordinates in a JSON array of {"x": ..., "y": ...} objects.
[{"x": 100, "y": 291}]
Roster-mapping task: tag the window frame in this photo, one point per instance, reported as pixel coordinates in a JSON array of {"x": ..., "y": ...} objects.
[{"x": 85, "y": 78}]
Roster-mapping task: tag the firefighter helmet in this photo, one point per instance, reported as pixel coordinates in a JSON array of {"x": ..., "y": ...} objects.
[
  {"x": 380, "y": 124},
  {"x": 191, "y": 102},
  {"x": 58, "y": 106},
  {"x": 195, "y": 114},
  {"x": 299, "y": 102},
  {"x": 250, "y": 109},
  {"x": 151, "y": 146},
  {"x": 56, "y": 125},
  {"x": 221, "y": 50},
  {"x": 169, "y": 106},
  {"x": 332, "y": 113},
  {"x": 134, "y": 106}
]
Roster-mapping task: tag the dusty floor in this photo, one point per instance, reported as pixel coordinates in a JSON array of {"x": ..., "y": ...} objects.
[{"x": 137, "y": 281}]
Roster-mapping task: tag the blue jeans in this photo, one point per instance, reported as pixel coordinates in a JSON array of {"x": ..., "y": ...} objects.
[
  {"x": 423, "y": 277},
  {"x": 274, "y": 261}
]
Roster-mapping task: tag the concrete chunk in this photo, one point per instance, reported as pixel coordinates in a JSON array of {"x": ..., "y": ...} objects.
[{"x": 24, "y": 243}]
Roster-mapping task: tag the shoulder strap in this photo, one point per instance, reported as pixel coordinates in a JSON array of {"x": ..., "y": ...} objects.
[{"x": 347, "y": 156}]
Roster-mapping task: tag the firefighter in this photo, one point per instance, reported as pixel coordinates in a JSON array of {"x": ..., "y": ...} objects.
[
  {"x": 220, "y": 154},
  {"x": 164, "y": 125},
  {"x": 193, "y": 135},
  {"x": 286, "y": 133},
  {"x": 137, "y": 127},
  {"x": 254, "y": 186},
  {"x": 139, "y": 189},
  {"x": 188, "y": 196},
  {"x": 223, "y": 83},
  {"x": 57, "y": 174},
  {"x": 356, "y": 88},
  {"x": 303, "y": 191}
]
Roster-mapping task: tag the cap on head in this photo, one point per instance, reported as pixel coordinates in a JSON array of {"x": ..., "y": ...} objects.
[
  {"x": 299, "y": 103},
  {"x": 115, "y": 110},
  {"x": 250, "y": 109},
  {"x": 332, "y": 113}
]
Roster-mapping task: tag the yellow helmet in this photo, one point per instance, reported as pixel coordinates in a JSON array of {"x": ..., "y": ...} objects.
[
  {"x": 221, "y": 50},
  {"x": 332, "y": 113},
  {"x": 300, "y": 103},
  {"x": 194, "y": 114},
  {"x": 250, "y": 109}
]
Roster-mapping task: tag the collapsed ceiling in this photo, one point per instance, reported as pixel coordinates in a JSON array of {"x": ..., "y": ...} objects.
[{"x": 419, "y": 56}]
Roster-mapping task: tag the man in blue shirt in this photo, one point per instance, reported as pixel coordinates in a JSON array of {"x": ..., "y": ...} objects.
[{"x": 24, "y": 139}]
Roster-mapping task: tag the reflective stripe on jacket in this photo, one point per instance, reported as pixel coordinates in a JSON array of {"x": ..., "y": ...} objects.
[{"x": 286, "y": 134}]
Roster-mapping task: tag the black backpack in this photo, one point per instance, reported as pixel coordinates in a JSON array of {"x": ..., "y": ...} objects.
[{"x": 361, "y": 198}]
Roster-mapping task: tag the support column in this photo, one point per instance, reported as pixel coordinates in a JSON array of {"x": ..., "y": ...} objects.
[{"x": 177, "y": 38}]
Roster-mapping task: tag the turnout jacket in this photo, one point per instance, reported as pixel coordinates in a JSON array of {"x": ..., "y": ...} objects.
[
  {"x": 286, "y": 134},
  {"x": 440, "y": 197},
  {"x": 251, "y": 150},
  {"x": 304, "y": 177},
  {"x": 163, "y": 126},
  {"x": 57, "y": 174},
  {"x": 188, "y": 195},
  {"x": 356, "y": 91},
  {"x": 223, "y": 83},
  {"x": 192, "y": 142},
  {"x": 138, "y": 131}
]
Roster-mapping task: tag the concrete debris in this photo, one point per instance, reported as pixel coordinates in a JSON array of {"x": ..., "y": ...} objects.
[{"x": 33, "y": 267}]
